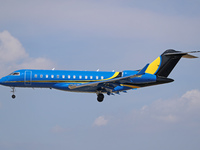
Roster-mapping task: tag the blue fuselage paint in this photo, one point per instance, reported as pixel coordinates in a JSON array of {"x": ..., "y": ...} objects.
[{"x": 61, "y": 79}]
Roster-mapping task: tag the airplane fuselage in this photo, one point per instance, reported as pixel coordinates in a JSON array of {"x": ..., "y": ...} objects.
[
  {"x": 98, "y": 82},
  {"x": 61, "y": 79}
]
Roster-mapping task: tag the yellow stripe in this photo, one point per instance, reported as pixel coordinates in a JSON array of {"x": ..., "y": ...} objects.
[
  {"x": 115, "y": 75},
  {"x": 153, "y": 67},
  {"x": 131, "y": 86}
]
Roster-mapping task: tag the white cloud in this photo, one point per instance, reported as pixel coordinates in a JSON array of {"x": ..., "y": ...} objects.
[
  {"x": 10, "y": 48},
  {"x": 37, "y": 63},
  {"x": 100, "y": 121},
  {"x": 168, "y": 118},
  {"x": 58, "y": 129},
  {"x": 172, "y": 111},
  {"x": 161, "y": 115},
  {"x": 13, "y": 56},
  {"x": 179, "y": 113}
]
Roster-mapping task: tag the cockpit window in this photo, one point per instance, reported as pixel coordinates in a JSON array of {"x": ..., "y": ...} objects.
[{"x": 15, "y": 74}]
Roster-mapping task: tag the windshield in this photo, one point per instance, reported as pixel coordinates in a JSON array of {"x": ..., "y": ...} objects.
[{"x": 14, "y": 74}]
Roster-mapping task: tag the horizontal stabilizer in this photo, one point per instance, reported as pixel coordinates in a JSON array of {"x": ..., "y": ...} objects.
[
  {"x": 184, "y": 54},
  {"x": 189, "y": 56}
]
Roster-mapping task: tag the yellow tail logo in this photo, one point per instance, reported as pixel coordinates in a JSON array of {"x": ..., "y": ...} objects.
[{"x": 154, "y": 66}]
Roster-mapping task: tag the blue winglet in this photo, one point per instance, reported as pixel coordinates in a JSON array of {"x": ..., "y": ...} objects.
[{"x": 141, "y": 72}]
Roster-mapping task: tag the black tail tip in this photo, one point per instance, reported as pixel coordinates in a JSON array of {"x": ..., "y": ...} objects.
[
  {"x": 170, "y": 51},
  {"x": 163, "y": 79}
]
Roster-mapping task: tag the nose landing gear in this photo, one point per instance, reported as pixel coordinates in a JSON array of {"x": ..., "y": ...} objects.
[
  {"x": 13, "y": 96},
  {"x": 13, "y": 91}
]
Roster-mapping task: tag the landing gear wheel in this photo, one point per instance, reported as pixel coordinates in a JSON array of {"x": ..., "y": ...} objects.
[
  {"x": 13, "y": 91},
  {"x": 100, "y": 97},
  {"x": 13, "y": 96}
]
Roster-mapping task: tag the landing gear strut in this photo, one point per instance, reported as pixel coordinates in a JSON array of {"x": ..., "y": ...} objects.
[
  {"x": 13, "y": 91},
  {"x": 100, "y": 97}
]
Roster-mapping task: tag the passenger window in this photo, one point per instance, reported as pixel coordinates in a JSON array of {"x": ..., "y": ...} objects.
[
  {"x": 86, "y": 77},
  {"x": 57, "y": 76},
  {"x": 74, "y": 76},
  {"x": 47, "y": 76},
  {"x": 80, "y": 77},
  {"x": 35, "y": 75},
  {"x": 68, "y": 76},
  {"x": 90, "y": 77},
  {"x": 97, "y": 77},
  {"x": 52, "y": 76},
  {"x": 41, "y": 76},
  {"x": 63, "y": 76},
  {"x": 101, "y": 77}
]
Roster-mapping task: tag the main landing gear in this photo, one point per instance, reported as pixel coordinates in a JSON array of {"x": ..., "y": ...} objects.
[
  {"x": 13, "y": 91},
  {"x": 100, "y": 97}
]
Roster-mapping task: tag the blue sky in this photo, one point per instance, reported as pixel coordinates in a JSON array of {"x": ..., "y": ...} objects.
[{"x": 106, "y": 35}]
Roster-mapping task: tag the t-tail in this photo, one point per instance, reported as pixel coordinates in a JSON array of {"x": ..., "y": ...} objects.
[{"x": 164, "y": 64}]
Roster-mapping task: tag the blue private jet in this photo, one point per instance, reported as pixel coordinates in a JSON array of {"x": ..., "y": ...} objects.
[{"x": 98, "y": 82}]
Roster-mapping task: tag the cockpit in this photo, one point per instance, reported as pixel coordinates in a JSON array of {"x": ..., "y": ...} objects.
[{"x": 14, "y": 74}]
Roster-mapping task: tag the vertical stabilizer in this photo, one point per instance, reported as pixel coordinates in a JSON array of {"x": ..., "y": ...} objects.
[{"x": 164, "y": 64}]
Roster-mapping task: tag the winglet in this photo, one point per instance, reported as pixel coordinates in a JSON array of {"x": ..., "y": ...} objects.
[{"x": 141, "y": 72}]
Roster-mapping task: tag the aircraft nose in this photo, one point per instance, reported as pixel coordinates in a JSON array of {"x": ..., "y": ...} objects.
[{"x": 2, "y": 80}]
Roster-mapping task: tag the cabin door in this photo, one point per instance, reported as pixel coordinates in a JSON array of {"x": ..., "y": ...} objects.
[{"x": 28, "y": 77}]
